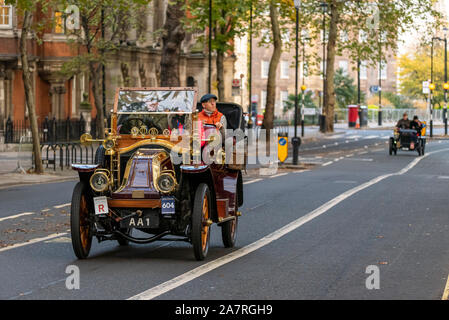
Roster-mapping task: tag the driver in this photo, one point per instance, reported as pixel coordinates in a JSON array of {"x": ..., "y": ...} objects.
[
  {"x": 404, "y": 123},
  {"x": 210, "y": 114}
]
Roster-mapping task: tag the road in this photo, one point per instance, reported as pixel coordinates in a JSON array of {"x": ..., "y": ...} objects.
[{"x": 302, "y": 235}]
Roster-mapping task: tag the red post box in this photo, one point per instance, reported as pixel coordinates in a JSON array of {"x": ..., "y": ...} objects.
[{"x": 353, "y": 114}]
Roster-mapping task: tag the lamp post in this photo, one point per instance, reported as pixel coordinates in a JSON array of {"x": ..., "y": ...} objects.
[
  {"x": 305, "y": 38},
  {"x": 431, "y": 87},
  {"x": 209, "y": 85},
  {"x": 296, "y": 140},
  {"x": 445, "y": 85},
  {"x": 250, "y": 71},
  {"x": 324, "y": 7}
]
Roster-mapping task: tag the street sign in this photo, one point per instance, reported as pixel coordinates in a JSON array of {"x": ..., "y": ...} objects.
[
  {"x": 375, "y": 89},
  {"x": 309, "y": 111},
  {"x": 236, "y": 83},
  {"x": 425, "y": 87},
  {"x": 282, "y": 148},
  {"x": 255, "y": 98}
]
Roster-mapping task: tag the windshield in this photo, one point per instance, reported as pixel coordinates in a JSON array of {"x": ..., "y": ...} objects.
[{"x": 156, "y": 101}]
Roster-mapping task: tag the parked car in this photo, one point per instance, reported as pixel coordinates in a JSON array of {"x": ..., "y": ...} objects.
[{"x": 139, "y": 182}]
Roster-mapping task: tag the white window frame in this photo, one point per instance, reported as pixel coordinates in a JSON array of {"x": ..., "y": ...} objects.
[
  {"x": 344, "y": 63},
  {"x": 283, "y": 94},
  {"x": 9, "y": 25},
  {"x": 263, "y": 100},
  {"x": 264, "y": 66},
  {"x": 285, "y": 67}
]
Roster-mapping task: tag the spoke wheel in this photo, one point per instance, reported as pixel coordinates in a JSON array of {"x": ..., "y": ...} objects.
[
  {"x": 200, "y": 216},
  {"x": 80, "y": 226},
  {"x": 229, "y": 229}
]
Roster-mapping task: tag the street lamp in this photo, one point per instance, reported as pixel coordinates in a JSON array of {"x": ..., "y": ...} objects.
[
  {"x": 324, "y": 8},
  {"x": 210, "y": 47},
  {"x": 446, "y": 85},
  {"x": 305, "y": 37},
  {"x": 296, "y": 141},
  {"x": 431, "y": 87}
]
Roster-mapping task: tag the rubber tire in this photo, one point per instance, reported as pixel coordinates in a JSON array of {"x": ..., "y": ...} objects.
[
  {"x": 227, "y": 236},
  {"x": 197, "y": 221},
  {"x": 80, "y": 251},
  {"x": 391, "y": 147},
  {"x": 100, "y": 156}
]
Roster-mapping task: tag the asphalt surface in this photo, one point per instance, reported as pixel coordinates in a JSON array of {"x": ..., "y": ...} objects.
[{"x": 398, "y": 223}]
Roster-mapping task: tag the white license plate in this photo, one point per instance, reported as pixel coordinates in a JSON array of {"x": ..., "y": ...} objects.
[{"x": 101, "y": 205}]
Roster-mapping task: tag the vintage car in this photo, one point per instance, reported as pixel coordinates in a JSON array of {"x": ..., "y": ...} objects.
[
  {"x": 148, "y": 175},
  {"x": 408, "y": 140}
]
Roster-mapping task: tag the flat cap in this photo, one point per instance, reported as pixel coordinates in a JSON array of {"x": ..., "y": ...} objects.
[{"x": 207, "y": 97}]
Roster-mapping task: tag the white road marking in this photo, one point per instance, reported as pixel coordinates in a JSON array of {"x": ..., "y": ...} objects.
[
  {"x": 252, "y": 181},
  {"x": 45, "y": 210},
  {"x": 360, "y": 159},
  {"x": 370, "y": 137},
  {"x": 32, "y": 241},
  {"x": 62, "y": 205},
  {"x": 301, "y": 171},
  {"x": 17, "y": 216},
  {"x": 365, "y": 152},
  {"x": 443, "y": 177},
  {"x": 327, "y": 163},
  {"x": 446, "y": 291},
  {"x": 278, "y": 175},
  {"x": 207, "y": 267}
]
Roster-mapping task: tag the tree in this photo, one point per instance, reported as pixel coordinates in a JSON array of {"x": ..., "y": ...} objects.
[
  {"x": 308, "y": 101},
  {"x": 368, "y": 27},
  {"x": 26, "y": 10},
  {"x": 229, "y": 19},
  {"x": 173, "y": 36},
  {"x": 345, "y": 90},
  {"x": 117, "y": 17},
  {"x": 398, "y": 101},
  {"x": 415, "y": 68}
]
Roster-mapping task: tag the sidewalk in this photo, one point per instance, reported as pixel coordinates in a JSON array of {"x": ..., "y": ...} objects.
[{"x": 10, "y": 174}]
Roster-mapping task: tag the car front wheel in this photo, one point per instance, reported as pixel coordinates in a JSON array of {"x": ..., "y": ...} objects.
[
  {"x": 81, "y": 227},
  {"x": 200, "y": 221}
]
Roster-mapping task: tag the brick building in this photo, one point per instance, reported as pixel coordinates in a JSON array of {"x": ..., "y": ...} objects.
[{"x": 285, "y": 81}]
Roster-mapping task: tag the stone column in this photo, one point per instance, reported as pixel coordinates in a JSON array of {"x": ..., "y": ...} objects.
[{"x": 57, "y": 92}]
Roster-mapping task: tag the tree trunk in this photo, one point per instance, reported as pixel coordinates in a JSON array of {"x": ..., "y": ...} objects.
[
  {"x": 330, "y": 69},
  {"x": 172, "y": 39},
  {"x": 96, "y": 85},
  {"x": 220, "y": 75},
  {"x": 29, "y": 94},
  {"x": 275, "y": 58}
]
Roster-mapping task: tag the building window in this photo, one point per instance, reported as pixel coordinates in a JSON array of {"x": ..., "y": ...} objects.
[
  {"x": 59, "y": 22},
  {"x": 383, "y": 70},
  {"x": 344, "y": 37},
  {"x": 265, "y": 69},
  {"x": 343, "y": 64},
  {"x": 363, "y": 71},
  {"x": 286, "y": 36},
  {"x": 285, "y": 69},
  {"x": 323, "y": 69},
  {"x": 5, "y": 15},
  {"x": 284, "y": 99},
  {"x": 363, "y": 36},
  {"x": 263, "y": 101}
]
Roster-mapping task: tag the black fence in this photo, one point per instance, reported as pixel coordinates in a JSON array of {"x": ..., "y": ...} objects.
[
  {"x": 50, "y": 130},
  {"x": 63, "y": 154}
]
